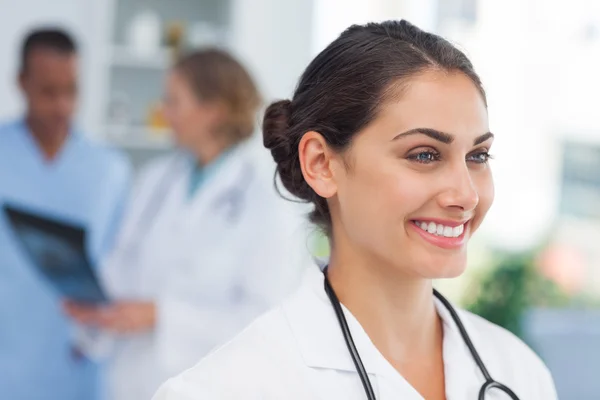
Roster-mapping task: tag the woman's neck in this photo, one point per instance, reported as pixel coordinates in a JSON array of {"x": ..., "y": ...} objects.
[
  {"x": 207, "y": 152},
  {"x": 396, "y": 311}
]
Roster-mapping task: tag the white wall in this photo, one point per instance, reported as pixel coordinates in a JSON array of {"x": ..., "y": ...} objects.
[
  {"x": 334, "y": 16},
  {"x": 541, "y": 83},
  {"x": 274, "y": 40},
  {"x": 524, "y": 164}
]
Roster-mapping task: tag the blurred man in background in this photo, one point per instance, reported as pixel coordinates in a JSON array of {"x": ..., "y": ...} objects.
[{"x": 47, "y": 166}]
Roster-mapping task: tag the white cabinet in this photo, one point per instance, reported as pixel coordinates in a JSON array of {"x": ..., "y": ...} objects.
[
  {"x": 119, "y": 86},
  {"x": 272, "y": 38},
  {"x": 138, "y": 42}
]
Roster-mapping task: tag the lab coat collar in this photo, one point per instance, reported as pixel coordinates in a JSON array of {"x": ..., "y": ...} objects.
[
  {"x": 319, "y": 337},
  {"x": 200, "y": 174},
  {"x": 226, "y": 172},
  {"x": 317, "y": 332},
  {"x": 462, "y": 374}
]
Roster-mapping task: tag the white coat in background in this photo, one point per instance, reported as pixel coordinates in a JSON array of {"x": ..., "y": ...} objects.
[
  {"x": 297, "y": 352},
  {"x": 211, "y": 263}
]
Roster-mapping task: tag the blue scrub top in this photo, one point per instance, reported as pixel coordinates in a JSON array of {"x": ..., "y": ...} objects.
[{"x": 85, "y": 183}]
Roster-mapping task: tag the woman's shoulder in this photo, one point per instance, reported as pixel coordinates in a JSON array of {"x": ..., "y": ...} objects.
[
  {"x": 507, "y": 356},
  {"x": 243, "y": 368},
  {"x": 162, "y": 168},
  {"x": 160, "y": 164}
]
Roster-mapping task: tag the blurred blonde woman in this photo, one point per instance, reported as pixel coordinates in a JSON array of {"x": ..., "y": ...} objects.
[{"x": 206, "y": 244}]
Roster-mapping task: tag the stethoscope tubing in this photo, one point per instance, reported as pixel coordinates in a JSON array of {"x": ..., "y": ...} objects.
[{"x": 489, "y": 383}]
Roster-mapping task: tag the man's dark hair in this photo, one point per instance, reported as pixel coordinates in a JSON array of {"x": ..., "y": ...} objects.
[{"x": 48, "y": 39}]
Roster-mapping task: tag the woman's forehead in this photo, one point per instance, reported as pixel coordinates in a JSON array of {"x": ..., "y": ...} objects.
[{"x": 447, "y": 102}]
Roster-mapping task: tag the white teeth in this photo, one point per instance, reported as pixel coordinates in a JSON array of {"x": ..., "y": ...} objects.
[
  {"x": 448, "y": 230},
  {"x": 441, "y": 230},
  {"x": 457, "y": 231},
  {"x": 432, "y": 228}
]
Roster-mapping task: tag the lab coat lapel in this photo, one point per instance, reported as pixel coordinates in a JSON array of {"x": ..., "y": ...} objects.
[
  {"x": 160, "y": 232},
  {"x": 317, "y": 331},
  {"x": 209, "y": 203},
  {"x": 322, "y": 346},
  {"x": 204, "y": 223},
  {"x": 463, "y": 377}
]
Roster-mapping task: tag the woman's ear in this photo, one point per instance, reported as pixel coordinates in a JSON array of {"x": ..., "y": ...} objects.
[{"x": 315, "y": 161}]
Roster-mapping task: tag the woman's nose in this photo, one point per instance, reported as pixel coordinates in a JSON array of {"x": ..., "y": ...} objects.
[{"x": 461, "y": 191}]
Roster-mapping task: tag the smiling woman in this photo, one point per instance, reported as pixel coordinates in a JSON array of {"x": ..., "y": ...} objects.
[
  {"x": 421, "y": 158},
  {"x": 387, "y": 135}
]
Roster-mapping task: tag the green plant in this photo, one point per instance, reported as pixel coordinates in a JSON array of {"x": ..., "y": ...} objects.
[
  {"x": 319, "y": 244},
  {"x": 501, "y": 294}
]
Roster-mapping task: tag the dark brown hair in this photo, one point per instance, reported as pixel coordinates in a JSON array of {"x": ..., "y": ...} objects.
[
  {"x": 343, "y": 88},
  {"x": 214, "y": 75},
  {"x": 54, "y": 39}
]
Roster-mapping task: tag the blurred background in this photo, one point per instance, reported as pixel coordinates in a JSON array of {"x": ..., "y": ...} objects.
[{"x": 535, "y": 263}]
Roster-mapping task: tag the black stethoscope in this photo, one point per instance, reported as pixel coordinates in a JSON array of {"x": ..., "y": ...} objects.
[{"x": 489, "y": 384}]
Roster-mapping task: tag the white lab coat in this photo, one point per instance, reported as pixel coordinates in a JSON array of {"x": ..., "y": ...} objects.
[
  {"x": 211, "y": 264},
  {"x": 297, "y": 352}
]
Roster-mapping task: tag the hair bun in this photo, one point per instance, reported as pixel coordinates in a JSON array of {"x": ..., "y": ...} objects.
[{"x": 275, "y": 130}]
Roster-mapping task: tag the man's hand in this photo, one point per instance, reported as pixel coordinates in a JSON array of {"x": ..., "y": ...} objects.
[{"x": 124, "y": 317}]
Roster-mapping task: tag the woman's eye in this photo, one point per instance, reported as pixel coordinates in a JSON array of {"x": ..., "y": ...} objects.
[
  {"x": 425, "y": 157},
  {"x": 480, "y": 158}
]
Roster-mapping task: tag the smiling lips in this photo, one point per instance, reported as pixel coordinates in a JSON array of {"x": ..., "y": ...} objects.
[{"x": 445, "y": 234}]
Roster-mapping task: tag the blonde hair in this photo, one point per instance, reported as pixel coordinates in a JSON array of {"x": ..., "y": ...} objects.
[{"x": 215, "y": 75}]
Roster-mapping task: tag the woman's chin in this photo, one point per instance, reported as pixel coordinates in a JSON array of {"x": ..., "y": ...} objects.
[
  {"x": 442, "y": 267},
  {"x": 449, "y": 273}
]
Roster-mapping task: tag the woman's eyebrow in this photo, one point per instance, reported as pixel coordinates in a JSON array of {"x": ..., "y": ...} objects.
[
  {"x": 432, "y": 133},
  {"x": 483, "y": 138},
  {"x": 440, "y": 136}
]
